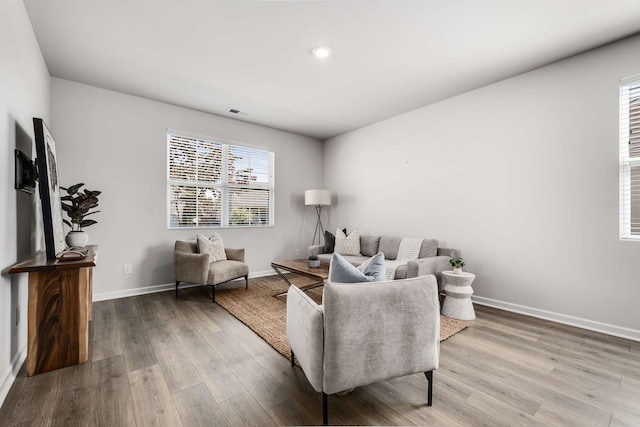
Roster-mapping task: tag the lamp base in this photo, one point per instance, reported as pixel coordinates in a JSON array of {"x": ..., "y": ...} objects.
[{"x": 318, "y": 227}]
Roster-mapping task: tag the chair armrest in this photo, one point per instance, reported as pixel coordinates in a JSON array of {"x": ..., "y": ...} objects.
[
  {"x": 379, "y": 330},
  {"x": 305, "y": 334},
  {"x": 192, "y": 268},
  {"x": 431, "y": 265},
  {"x": 453, "y": 253},
  {"x": 315, "y": 250},
  {"x": 235, "y": 254}
]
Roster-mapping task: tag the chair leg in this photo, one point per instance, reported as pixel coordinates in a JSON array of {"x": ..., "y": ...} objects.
[
  {"x": 292, "y": 356},
  {"x": 325, "y": 410},
  {"x": 177, "y": 283},
  {"x": 246, "y": 281},
  {"x": 429, "y": 376},
  {"x": 213, "y": 294}
]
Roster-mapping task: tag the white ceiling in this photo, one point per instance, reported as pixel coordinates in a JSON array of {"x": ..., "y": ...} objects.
[{"x": 389, "y": 56}]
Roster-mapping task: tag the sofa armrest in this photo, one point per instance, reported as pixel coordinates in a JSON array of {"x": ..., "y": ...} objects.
[
  {"x": 431, "y": 265},
  {"x": 192, "y": 268},
  {"x": 453, "y": 253},
  {"x": 379, "y": 330},
  {"x": 315, "y": 250},
  {"x": 305, "y": 334},
  {"x": 235, "y": 254}
]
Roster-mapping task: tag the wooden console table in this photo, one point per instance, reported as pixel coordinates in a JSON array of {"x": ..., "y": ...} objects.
[{"x": 60, "y": 307}]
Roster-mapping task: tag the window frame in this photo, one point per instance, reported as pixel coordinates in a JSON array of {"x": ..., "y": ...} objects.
[
  {"x": 224, "y": 186},
  {"x": 629, "y": 93}
]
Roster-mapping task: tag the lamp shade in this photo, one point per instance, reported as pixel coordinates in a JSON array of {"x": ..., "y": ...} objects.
[{"x": 317, "y": 197}]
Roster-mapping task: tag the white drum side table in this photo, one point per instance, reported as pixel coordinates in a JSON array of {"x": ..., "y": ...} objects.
[{"x": 457, "y": 302}]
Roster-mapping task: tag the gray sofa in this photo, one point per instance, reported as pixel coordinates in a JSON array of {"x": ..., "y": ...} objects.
[{"x": 431, "y": 260}]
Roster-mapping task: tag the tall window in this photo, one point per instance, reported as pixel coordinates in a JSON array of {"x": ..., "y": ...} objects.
[
  {"x": 214, "y": 184},
  {"x": 630, "y": 158}
]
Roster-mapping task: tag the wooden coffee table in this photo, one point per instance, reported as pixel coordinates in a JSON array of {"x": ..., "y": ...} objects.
[{"x": 301, "y": 267}]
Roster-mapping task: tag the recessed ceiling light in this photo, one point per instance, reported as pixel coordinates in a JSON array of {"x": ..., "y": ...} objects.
[{"x": 321, "y": 51}]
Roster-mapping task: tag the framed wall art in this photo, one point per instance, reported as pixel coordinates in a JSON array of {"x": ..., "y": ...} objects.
[{"x": 49, "y": 189}]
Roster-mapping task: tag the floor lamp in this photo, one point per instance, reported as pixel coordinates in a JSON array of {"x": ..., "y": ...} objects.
[{"x": 317, "y": 198}]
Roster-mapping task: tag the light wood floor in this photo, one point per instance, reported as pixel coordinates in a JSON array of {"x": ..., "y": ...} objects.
[{"x": 155, "y": 360}]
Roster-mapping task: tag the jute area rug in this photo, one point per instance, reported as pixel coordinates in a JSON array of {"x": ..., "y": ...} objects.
[{"x": 266, "y": 315}]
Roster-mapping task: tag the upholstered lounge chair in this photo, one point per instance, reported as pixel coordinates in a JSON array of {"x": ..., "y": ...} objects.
[
  {"x": 364, "y": 333},
  {"x": 193, "y": 267}
]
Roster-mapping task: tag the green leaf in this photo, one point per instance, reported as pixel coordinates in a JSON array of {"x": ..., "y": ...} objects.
[
  {"x": 87, "y": 222},
  {"x": 74, "y": 188},
  {"x": 89, "y": 203}
]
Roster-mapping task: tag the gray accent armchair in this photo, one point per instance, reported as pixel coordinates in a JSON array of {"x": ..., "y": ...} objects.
[
  {"x": 365, "y": 333},
  {"x": 193, "y": 267}
]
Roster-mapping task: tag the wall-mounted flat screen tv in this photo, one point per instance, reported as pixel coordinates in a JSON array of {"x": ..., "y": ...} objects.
[
  {"x": 49, "y": 189},
  {"x": 25, "y": 178}
]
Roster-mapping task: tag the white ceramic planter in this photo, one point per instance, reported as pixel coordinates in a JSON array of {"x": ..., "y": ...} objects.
[
  {"x": 457, "y": 270},
  {"x": 77, "y": 238},
  {"x": 314, "y": 263}
]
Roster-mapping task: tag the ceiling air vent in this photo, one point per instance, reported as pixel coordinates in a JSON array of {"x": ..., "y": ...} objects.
[{"x": 236, "y": 111}]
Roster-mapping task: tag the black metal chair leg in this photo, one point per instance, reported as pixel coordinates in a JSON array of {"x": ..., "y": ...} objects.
[
  {"x": 177, "y": 283},
  {"x": 246, "y": 281},
  {"x": 325, "y": 410},
  {"x": 213, "y": 294},
  {"x": 292, "y": 356},
  {"x": 429, "y": 376}
]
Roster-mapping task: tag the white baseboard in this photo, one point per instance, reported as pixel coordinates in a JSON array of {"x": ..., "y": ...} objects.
[
  {"x": 103, "y": 296},
  {"x": 605, "y": 328},
  {"x": 9, "y": 376}
]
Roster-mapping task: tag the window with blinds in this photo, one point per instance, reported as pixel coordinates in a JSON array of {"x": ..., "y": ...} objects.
[
  {"x": 630, "y": 158},
  {"x": 214, "y": 184}
]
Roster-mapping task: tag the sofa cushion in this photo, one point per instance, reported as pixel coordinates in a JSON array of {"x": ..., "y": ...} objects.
[
  {"x": 401, "y": 272},
  {"x": 213, "y": 246},
  {"x": 341, "y": 271},
  {"x": 223, "y": 271},
  {"x": 429, "y": 248},
  {"x": 325, "y": 257},
  {"x": 347, "y": 245},
  {"x": 369, "y": 245},
  {"x": 389, "y": 246}
]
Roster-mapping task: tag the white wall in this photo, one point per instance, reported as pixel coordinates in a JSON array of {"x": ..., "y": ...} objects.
[
  {"x": 521, "y": 176},
  {"x": 24, "y": 94},
  {"x": 116, "y": 143}
]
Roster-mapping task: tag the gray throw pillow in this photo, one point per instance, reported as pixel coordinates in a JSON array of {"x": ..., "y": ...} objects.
[
  {"x": 342, "y": 271},
  {"x": 429, "y": 248}
]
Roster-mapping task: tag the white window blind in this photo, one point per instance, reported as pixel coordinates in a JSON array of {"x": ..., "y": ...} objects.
[
  {"x": 630, "y": 158},
  {"x": 214, "y": 184}
]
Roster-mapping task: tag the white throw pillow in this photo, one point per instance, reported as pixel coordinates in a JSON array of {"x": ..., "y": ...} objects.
[
  {"x": 213, "y": 246},
  {"x": 347, "y": 245}
]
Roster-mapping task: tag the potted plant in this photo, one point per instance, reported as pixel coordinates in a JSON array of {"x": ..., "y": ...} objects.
[
  {"x": 313, "y": 261},
  {"x": 457, "y": 264},
  {"x": 78, "y": 205}
]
